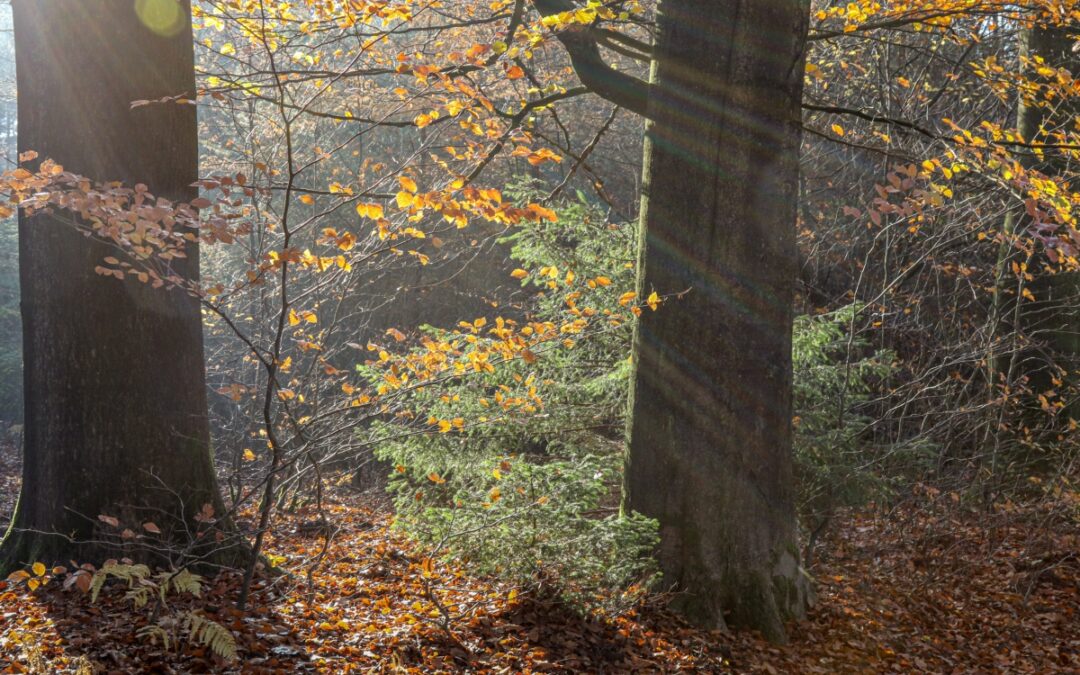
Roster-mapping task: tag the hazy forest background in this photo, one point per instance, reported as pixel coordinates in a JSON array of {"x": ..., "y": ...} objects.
[{"x": 540, "y": 336}]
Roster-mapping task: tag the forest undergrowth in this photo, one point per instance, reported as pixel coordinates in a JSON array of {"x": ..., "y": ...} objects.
[{"x": 931, "y": 585}]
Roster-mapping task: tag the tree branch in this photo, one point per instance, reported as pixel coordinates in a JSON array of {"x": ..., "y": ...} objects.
[{"x": 582, "y": 44}]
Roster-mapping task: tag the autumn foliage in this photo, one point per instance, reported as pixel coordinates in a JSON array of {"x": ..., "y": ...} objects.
[{"x": 420, "y": 282}]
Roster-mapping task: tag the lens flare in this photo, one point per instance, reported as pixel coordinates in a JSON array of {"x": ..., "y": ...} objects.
[{"x": 164, "y": 17}]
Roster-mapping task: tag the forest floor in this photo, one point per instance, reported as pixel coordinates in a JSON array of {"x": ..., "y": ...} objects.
[{"x": 931, "y": 586}]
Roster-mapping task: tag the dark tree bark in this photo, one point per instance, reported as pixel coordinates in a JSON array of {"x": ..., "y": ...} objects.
[
  {"x": 1050, "y": 325},
  {"x": 710, "y": 433},
  {"x": 116, "y": 419},
  {"x": 710, "y": 453}
]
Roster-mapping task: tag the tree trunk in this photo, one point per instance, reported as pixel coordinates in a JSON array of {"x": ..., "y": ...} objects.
[
  {"x": 1051, "y": 323},
  {"x": 1054, "y": 318},
  {"x": 116, "y": 419},
  {"x": 710, "y": 434}
]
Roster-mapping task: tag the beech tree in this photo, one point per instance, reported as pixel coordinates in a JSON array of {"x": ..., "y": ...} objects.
[
  {"x": 1043, "y": 311},
  {"x": 710, "y": 438},
  {"x": 116, "y": 422}
]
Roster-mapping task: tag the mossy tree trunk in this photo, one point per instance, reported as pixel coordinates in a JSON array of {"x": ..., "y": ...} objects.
[
  {"x": 710, "y": 434},
  {"x": 116, "y": 417}
]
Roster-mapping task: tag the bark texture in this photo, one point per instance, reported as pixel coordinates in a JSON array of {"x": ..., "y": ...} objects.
[
  {"x": 710, "y": 432},
  {"x": 116, "y": 419},
  {"x": 1052, "y": 322}
]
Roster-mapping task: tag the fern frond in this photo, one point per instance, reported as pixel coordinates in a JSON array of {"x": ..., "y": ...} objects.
[
  {"x": 132, "y": 574},
  {"x": 213, "y": 635},
  {"x": 186, "y": 582},
  {"x": 155, "y": 632},
  {"x": 96, "y": 583},
  {"x": 138, "y": 596}
]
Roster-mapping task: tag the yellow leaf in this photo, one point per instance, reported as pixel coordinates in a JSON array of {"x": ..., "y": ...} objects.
[
  {"x": 373, "y": 211},
  {"x": 404, "y": 199},
  {"x": 436, "y": 478},
  {"x": 33, "y": 584},
  {"x": 627, "y": 298},
  {"x": 249, "y": 456},
  {"x": 653, "y": 301},
  {"x": 603, "y": 281},
  {"x": 407, "y": 183},
  {"x": 838, "y": 130},
  {"x": 39, "y": 569},
  {"x": 519, "y": 274},
  {"x": 293, "y": 318},
  {"x": 307, "y": 199}
]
